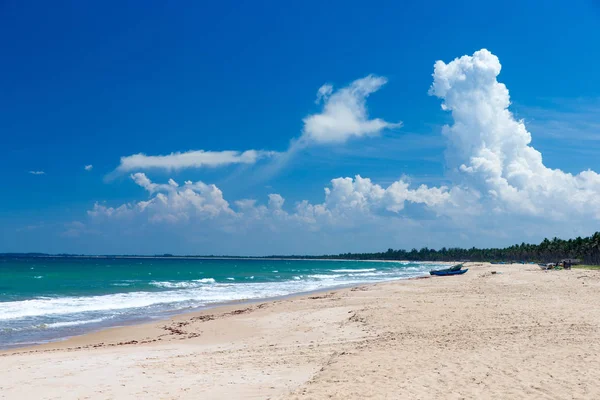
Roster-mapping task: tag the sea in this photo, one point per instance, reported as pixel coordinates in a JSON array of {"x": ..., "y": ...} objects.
[{"x": 45, "y": 299}]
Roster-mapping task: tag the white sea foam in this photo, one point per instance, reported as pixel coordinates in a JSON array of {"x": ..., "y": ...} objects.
[
  {"x": 369, "y": 274},
  {"x": 55, "y": 325},
  {"x": 182, "y": 284},
  {"x": 324, "y": 276},
  {"x": 355, "y": 270},
  {"x": 55, "y": 312},
  {"x": 65, "y": 324}
]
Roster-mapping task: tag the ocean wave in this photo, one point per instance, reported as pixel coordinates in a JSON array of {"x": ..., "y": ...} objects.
[
  {"x": 324, "y": 276},
  {"x": 86, "y": 304},
  {"x": 354, "y": 270},
  {"x": 143, "y": 303},
  {"x": 53, "y": 325},
  {"x": 178, "y": 295},
  {"x": 370, "y": 274},
  {"x": 65, "y": 324},
  {"x": 182, "y": 284}
]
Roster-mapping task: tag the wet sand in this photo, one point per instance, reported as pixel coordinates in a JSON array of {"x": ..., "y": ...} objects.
[{"x": 519, "y": 333}]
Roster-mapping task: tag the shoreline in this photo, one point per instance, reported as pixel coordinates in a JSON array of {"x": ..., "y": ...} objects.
[
  {"x": 170, "y": 316},
  {"x": 520, "y": 332},
  {"x": 80, "y": 330}
]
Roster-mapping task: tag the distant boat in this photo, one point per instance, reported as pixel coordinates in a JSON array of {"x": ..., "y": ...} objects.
[{"x": 447, "y": 273}]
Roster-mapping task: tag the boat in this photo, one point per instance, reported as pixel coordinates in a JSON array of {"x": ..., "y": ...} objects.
[
  {"x": 447, "y": 273},
  {"x": 456, "y": 267}
]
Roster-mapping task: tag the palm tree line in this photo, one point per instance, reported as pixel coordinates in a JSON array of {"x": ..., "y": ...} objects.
[{"x": 549, "y": 250}]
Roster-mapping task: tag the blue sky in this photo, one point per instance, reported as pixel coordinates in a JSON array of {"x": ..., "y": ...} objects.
[{"x": 86, "y": 84}]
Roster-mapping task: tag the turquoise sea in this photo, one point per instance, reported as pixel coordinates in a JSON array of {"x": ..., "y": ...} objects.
[{"x": 50, "y": 298}]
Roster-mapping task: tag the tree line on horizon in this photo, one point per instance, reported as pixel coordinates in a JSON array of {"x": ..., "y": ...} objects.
[
  {"x": 586, "y": 249},
  {"x": 549, "y": 250}
]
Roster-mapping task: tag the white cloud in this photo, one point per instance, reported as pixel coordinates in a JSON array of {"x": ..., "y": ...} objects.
[
  {"x": 88, "y": 167},
  {"x": 102, "y": 211},
  {"x": 37, "y": 172},
  {"x": 171, "y": 202},
  {"x": 323, "y": 93},
  {"x": 345, "y": 200},
  {"x": 344, "y": 113},
  {"x": 499, "y": 187},
  {"x": 349, "y": 195},
  {"x": 190, "y": 159},
  {"x": 276, "y": 201},
  {"x": 492, "y": 151}
]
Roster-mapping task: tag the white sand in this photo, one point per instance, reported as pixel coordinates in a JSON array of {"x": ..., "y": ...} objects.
[{"x": 523, "y": 333}]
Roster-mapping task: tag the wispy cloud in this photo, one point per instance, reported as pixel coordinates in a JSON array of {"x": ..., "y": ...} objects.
[
  {"x": 561, "y": 118},
  {"x": 88, "y": 167},
  {"x": 189, "y": 159},
  {"x": 37, "y": 172}
]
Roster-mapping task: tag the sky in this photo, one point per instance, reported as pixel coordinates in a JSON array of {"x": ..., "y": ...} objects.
[{"x": 259, "y": 128}]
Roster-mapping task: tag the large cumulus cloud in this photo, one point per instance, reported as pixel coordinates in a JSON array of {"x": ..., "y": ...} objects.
[{"x": 490, "y": 151}]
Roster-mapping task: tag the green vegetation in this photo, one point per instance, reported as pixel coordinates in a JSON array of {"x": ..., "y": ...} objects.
[
  {"x": 587, "y": 266},
  {"x": 586, "y": 249}
]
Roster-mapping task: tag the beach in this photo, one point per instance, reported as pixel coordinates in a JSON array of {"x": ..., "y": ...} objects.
[{"x": 519, "y": 333}]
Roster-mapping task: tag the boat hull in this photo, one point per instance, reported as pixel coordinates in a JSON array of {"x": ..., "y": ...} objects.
[{"x": 447, "y": 273}]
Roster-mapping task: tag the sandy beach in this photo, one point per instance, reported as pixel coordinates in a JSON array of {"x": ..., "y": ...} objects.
[{"x": 519, "y": 333}]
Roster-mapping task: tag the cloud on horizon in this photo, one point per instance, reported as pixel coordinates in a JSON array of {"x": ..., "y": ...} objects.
[{"x": 499, "y": 183}]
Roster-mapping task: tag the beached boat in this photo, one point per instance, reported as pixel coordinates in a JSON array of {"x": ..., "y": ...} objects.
[
  {"x": 446, "y": 272},
  {"x": 453, "y": 268}
]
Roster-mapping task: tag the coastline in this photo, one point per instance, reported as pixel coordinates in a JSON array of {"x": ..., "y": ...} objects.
[
  {"x": 519, "y": 333},
  {"x": 176, "y": 315},
  {"x": 43, "y": 334}
]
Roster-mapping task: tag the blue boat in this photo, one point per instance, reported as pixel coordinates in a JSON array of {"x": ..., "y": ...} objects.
[
  {"x": 456, "y": 267},
  {"x": 447, "y": 273}
]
